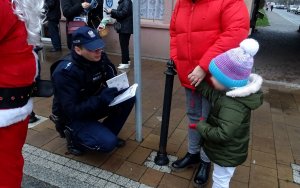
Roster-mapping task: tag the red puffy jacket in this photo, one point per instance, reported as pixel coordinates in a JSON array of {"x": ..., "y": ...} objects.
[{"x": 203, "y": 29}]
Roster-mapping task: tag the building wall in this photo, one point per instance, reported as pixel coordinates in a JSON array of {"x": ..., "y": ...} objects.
[{"x": 154, "y": 34}]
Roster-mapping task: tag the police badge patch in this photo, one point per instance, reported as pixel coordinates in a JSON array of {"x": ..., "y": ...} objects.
[{"x": 109, "y": 3}]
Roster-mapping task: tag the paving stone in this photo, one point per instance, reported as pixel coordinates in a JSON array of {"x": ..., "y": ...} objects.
[
  {"x": 294, "y": 137},
  {"x": 127, "y": 149},
  {"x": 284, "y": 155},
  {"x": 139, "y": 155},
  {"x": 249, "y": 157},
  {"x": 151, "y": 177},
  {"x": 285, "y": 172},
  {"x": 151, "y": 142},
  {"x": 262, "y": 177},
  {"x": 54, "y": 144},
  {"x": 133, "y": 184},
  {"x": 263, "y": 144},
  {"x": 293, "y": 120},
  {"x": 78, "y": 166},
  {"x": 113, "y": 163},
  {"x": 237, "y": 184},
  {"x": 122, "y": 181},
  {"x": 95, "y": 171},
  {"x": 42, "y": 137},
  {"x": 127, "y": 130},
  {"x": 93, "y": 158},
  {"x": 105, "y": 175},
  {"x": 111, "y": 185},
  {"x": 186, "y": 174},
  {"x": 145, "y": 132},
  {"x": 178, "y": 136},
  {"x": 288, "y": 184},
  {"x": 263, "y": 159},
  {"x": 266, "y": 132},
  {"x": 172, "y": 181},
  {"x": 242, "y": 174},
  {"x": 131, "y": 170}
]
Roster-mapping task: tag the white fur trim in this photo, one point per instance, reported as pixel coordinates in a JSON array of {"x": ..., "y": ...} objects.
[
  {"x": 11, "y": 116},
  {"x": 254, "y": 84}
]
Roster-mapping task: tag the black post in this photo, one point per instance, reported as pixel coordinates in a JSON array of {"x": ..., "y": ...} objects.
[{"x": 162, "y": 158}]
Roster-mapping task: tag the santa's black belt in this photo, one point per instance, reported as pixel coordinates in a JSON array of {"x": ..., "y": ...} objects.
[{"x": 14, "y": 97}]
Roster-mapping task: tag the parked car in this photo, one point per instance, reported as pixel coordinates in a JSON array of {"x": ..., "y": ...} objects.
[
  {"x": 297, "y": 11},
  {"x": 292, "y": 8}
]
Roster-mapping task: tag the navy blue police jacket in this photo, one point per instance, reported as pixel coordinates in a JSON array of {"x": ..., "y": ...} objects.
[{"x": 78, "y": 84}]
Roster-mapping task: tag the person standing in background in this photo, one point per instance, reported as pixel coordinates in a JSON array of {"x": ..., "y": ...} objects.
[
  {"x": 124, "y": 26},
  {"x": 53, "y": 16},
  {"x": 21, "y": 23},
  {"x": 199, "y": 31},
  {"x": 81, "y": 8}
]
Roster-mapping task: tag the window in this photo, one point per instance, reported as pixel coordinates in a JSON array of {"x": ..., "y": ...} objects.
[{"x": 152, "y": 9}]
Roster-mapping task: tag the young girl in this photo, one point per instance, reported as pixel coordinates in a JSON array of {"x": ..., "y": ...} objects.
[{"x": 236, "y": 92}]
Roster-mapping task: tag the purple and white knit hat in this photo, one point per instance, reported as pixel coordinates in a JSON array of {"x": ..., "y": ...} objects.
[{"x": 233, "y": 68}]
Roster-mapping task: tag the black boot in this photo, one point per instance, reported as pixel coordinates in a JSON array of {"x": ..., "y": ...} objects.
[
  {"x": 58, "y": 125},
  {"x": 187, "y": 161},
  {"x": 202, "y": 174},
  {"x": 121, "y": 143},
  {"x": 32, "y": 118},
  {"x": 70, "y": 145}
]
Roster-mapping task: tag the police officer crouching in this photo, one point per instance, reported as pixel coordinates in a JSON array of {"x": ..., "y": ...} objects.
[{"x": 81, "y": 97}]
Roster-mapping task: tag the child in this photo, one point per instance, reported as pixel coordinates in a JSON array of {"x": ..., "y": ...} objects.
[{"x": 236, "y": 92}]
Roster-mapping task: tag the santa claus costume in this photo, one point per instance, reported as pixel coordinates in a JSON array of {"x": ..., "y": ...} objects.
[{"x": 20, "y": 26}]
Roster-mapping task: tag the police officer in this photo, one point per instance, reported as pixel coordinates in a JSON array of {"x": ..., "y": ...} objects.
[{"x": 81, "y": 96}]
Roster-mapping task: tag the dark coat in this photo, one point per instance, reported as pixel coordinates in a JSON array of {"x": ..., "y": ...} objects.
[
  {"x": 73, "y": 8},
  {"x": 226, "y": 132},
  {"x": 78, "y": 86},
  {"x": 123, "y": 15},
  {"x": 53, "y": 10}
]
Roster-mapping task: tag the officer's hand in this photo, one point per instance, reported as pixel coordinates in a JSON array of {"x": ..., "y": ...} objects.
[{"x": 107, "y": 95}]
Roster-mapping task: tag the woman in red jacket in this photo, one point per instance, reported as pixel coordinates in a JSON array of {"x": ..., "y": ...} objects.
[
  {"x": 200, "y": 30},
  {"x": 20, "y": 27}
]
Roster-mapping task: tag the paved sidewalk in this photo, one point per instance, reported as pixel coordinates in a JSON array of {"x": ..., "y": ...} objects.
[{"x": 274, "y": 146}]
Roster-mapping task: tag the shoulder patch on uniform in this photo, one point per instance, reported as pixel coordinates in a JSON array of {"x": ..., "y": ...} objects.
[{"x": 68, "y": 66}]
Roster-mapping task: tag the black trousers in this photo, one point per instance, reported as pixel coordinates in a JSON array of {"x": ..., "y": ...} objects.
[
  {"x": 54, "y": 34},
  {"x": 124, "y": 44}
]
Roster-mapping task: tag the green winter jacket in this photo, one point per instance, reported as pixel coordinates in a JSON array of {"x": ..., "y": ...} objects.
[{"x": 226, "y": 130}]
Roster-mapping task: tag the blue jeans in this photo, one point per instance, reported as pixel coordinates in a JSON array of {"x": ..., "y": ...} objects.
[{"x": 197, "y": 107}]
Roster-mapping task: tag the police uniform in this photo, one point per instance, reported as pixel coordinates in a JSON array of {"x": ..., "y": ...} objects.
[{"x": 81, "y": 98}]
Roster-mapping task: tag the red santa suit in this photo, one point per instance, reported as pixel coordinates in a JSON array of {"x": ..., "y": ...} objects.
[{"x": 17, "y": 69}]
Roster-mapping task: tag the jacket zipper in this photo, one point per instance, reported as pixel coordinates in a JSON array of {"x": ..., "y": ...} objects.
[{"x": 189, "y": 32}]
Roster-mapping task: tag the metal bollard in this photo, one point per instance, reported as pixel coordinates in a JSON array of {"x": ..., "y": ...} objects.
[{"x": 161, "y": 157}]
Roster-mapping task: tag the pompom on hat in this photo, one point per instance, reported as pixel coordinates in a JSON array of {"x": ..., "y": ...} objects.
[{"x": 233, "y": 68}]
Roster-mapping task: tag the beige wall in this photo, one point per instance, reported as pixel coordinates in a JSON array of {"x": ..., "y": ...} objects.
[{"x": 154, "y": 35}]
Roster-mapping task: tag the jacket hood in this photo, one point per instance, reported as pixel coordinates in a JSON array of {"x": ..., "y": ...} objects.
[{"x": 250, "y": 95}]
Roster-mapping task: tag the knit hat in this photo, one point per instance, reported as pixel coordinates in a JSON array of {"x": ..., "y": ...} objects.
[{"x": 233, "y": 68}]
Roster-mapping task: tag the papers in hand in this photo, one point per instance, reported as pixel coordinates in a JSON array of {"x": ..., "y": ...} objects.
[
  {"x": 121, "y": 82},
  {"x": 129, "y": 93}
]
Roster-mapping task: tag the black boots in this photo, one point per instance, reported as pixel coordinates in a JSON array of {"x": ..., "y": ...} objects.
[
  {"x": 58, "y": 125},
  {"x": 121, "y": 143},
  {"x": 72, "y": 149},
  {"x": 187, "y": 161},
  {"x": 202, "y": 174},
  {"x": 32, "y": 118}
]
